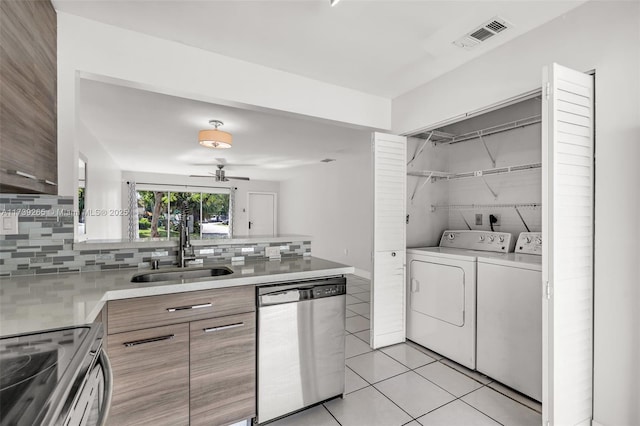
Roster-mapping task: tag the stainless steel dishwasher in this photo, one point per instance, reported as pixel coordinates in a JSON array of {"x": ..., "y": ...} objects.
[{"x": 301, "y": 342}]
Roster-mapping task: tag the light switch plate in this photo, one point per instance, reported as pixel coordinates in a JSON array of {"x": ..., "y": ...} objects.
[{"x": 9, "y": 224}]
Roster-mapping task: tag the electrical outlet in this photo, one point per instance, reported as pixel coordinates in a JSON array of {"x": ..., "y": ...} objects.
[
  {"x": 478, "y": 218},
  {"x": 272, "y": 251},
  {"x": 9, "y": 224}
]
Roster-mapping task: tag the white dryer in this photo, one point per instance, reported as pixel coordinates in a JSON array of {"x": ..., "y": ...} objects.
[
  {"x": 441, "y": 281},
  {"x": 510, "y": 316}
]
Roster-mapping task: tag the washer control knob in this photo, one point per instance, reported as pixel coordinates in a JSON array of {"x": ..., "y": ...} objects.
[
  {"x": 527, "y": 239},
  {"x": 538, "y": 240},
  {"x": 481, "y": 238},
  {"x": 451, "y": 236},
  {"x": 501, "y": 238},
  {"x": 491, "y": 238}
]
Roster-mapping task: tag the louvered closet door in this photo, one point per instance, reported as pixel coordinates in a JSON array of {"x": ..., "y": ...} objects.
[
  {"x": 567, "y": 261},
  {"x": 389, "y": 241}
]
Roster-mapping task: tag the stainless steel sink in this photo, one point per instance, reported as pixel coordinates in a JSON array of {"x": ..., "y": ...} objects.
[{"x": 181, "y": 274}]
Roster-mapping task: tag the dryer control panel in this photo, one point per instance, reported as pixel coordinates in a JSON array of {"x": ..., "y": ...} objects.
[
  {"x": 500, "y": 242},
  {"x": 529, "y": 243}
]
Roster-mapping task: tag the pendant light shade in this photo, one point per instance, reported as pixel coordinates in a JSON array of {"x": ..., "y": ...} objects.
[{"x": 215, "y": 138}]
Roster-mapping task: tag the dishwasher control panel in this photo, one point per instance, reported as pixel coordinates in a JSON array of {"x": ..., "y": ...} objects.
[{"x": 329, "y": 290}]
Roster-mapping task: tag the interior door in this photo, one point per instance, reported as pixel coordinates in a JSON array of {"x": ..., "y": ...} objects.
[
  {"x": 262, "y": 213},
  {"x": 388, "y": 315},
  {"x": 567, "y": 256}
]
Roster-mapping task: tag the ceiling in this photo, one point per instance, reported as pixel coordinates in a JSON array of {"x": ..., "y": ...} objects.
[
  {"x": 379, "y": 47},
  {"x": 151, "y": 132}
]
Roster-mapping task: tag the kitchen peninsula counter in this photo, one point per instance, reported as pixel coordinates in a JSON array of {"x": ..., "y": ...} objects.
[{"x": 37, "y": 302}]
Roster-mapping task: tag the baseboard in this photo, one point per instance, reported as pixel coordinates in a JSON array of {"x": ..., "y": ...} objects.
[
  {"x": 594, "y": 423},
  {"x": 362, "y": 273}
]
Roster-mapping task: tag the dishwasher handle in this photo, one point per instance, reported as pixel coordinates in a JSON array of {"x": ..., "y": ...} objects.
[{"x": 280, "y": 297}]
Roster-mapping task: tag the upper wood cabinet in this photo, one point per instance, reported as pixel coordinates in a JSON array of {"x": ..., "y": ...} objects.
[{"x": 28, "y": 82}]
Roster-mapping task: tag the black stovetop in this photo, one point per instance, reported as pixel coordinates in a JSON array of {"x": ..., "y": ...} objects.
[{"x": 37, "y": 372}]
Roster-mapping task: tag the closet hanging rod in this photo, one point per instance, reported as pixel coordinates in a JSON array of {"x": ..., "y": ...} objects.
[
  {"x": 489, "y": 130},
  {"x": 435, "y": 207}
]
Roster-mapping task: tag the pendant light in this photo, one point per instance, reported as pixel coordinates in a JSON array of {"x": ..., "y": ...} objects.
[{"x": 215, "y": 138}]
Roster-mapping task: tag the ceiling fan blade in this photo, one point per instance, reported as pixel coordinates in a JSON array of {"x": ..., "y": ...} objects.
[
  {"x": 207, "y": 176},
  {"x": 238, "y": 177}
]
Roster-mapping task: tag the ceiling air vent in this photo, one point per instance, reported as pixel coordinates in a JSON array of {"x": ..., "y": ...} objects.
[
  {"x": 482, "y": 33},
  {"x": 327, "y": 160}
]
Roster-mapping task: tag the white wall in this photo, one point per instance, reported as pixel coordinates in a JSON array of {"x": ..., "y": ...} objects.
[
  {"x": 103, "y": 190},
  {"x": 515, "y": 147},
  {"x": 578, "y": 40},
  {"x": 425, "y": 227},
  {"x": 241, "y": 221},
  {"x": 172, "y": 68},
  {"x": 333, "y": 203}
]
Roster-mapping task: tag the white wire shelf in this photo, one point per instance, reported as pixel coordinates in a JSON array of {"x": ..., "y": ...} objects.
[
  {"x": 438, "y": 175},
  {"x": 439, "y": 137},
  {"x": 435, "y": 207},
  {"x": 429, "y": 174}
]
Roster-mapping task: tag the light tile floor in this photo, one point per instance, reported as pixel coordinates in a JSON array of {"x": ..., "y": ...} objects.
[{"x": 407, "y": 384}]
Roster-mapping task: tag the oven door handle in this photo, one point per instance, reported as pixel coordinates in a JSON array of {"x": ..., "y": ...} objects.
[{"x": 108, "y": 387}]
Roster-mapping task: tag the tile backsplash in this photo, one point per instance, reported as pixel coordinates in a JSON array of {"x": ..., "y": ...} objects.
[{"x": 44, "y": 243}]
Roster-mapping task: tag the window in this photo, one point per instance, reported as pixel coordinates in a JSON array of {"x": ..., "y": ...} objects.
[{"x": 160, "y": 213}]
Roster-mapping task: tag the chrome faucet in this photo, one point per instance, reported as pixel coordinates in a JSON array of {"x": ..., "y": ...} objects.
[{"x": 185, "y": 251}]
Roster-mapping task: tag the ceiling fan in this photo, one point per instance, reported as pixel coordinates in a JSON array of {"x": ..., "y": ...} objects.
[{"x": 220, "y": 175}]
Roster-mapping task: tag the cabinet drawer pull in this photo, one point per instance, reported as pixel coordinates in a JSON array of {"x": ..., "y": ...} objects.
[
  {"x": 152, "y": 339},
  {"x": 186, "y": 308},
  {"x": 223, "y": 327},
  {"x": 23, "y": 174}
]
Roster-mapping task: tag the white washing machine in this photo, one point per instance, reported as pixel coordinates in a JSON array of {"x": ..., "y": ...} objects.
[
  {"x": 441, "y": 281},
  {"x": 509, "y": 338}
]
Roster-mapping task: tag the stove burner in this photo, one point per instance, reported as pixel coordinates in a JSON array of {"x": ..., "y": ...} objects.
[{"x": 31, "y": 366}]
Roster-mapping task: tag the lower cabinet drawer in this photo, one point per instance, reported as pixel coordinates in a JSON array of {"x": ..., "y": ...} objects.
[
  {"x": 223, "y": 375},
  {"x": 153, "y": 311},
  {"x": 150, "y": 376}
]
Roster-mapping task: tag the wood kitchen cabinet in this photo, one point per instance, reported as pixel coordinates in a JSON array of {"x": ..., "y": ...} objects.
[
  {"x": 223, "y": 369},
  {"x": 28, "y": 82},
  {"x": 183, "y": 358},
  {"x": 150, "y": 376}
]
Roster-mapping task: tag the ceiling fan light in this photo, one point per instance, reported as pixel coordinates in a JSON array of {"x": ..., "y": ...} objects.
[{"x": 215, "y": 139}]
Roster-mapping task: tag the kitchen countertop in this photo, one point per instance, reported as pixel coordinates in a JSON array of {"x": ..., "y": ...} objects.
[{"x": 31, "y": 303}]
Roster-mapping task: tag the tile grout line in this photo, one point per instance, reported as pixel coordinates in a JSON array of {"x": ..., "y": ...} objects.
[
  {"x": 331, "y": 414},
  {"x": 456, "y": 398},
  {"x": 479, "y": 411}
]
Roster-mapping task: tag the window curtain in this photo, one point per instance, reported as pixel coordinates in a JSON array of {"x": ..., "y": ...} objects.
[
  {"x": 232, "y": 210},
  {"x": 133, "y": 212}
]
